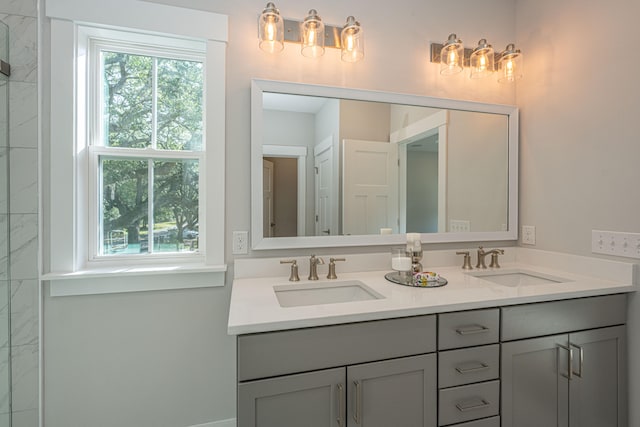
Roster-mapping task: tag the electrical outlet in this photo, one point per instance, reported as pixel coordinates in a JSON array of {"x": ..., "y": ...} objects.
[
  {"x": 459, "y": 226},
  {"x": 528, "y": 235},
  {"x": 240, "y": 242},
  {"x": 615, "y": 243}
]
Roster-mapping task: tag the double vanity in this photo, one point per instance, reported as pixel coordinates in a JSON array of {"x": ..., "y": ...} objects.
[{"x": 540, "y": 341}]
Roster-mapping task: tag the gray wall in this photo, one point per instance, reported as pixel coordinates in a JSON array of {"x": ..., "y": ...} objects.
[
  {"x": 163, "y": 358},
  {"x": 579, "y": 150}
]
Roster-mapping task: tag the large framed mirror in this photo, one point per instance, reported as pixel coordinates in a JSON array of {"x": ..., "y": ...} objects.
[{"x": 337, "y": 167}]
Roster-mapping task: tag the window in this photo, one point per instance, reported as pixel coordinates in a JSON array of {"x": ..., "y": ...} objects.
[
  {"x": 135, "y": 149},
  {"x": 146, "y": 150}
]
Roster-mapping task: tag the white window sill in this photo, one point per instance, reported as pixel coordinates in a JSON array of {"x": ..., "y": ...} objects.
[{"x": 134, "y": 279}]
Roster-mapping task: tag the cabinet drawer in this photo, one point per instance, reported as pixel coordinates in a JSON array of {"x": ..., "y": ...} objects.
[
  {"x": 468, "y": 365},
  {"x": 469, "y": 402},
  {"x": 278, "y": 353},
  {"x": 468, "y": 328},
  {"x": 556, "y": 317},
  {"x": 487, "y": 422}
]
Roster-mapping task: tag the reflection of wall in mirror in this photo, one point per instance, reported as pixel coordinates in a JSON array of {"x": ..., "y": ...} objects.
[{"x": 477, "y": 169}]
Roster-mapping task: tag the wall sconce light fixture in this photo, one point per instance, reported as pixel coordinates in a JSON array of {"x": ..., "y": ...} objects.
[
  {"x": 450, "y": 55},
  {"x": 312, "y": 34},
  {"x": 510, "y": 64},
  {"x": 483, "y": 61},
  {"x": 271, "y": 29}
]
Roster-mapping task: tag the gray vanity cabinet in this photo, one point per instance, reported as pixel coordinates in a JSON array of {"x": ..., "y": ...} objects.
[
  {"x": 574, "y": 379},
  {"x": 313, "y": 399},
  {"x": 397, "y": 392},
  {"x": 371, "y": 374}
]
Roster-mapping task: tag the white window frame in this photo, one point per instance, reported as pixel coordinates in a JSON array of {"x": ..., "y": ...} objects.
[{"x": 68, "y": 260}]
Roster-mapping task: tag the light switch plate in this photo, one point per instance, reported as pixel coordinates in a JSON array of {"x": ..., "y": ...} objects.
[{"x": 615, "y": 243}]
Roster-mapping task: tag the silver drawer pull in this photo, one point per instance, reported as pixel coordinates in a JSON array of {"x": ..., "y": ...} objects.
[
  {"x": 581, "y": 360},
  {"x": 356, "y": 413},
  {"x": 340, "y": 394},
  {"x": 473, "y": 329},
  {"x": 481, "y": 367},
  {"x": 569, "y": 374},
  {"x": 464, "y": 408}
]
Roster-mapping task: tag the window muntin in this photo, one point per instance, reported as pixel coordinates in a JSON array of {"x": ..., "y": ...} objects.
[{"x": 147, "y": 151}]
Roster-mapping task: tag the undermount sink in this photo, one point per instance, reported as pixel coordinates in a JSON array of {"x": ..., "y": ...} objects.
[
  {"x": 324, "y": 293},
  {"x": 517, "y": 277}
]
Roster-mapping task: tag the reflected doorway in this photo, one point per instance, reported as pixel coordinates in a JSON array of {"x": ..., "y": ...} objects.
[{"x": 284, "y": 213}]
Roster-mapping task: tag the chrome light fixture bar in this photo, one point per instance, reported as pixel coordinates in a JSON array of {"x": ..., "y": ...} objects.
[{"x": 312, "y": 34}]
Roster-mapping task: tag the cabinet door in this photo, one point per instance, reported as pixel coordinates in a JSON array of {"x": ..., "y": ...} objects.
[
  {"x": 314, "y": 399},
  {"x": 597, "y": 391},
  {"x": 398, "y": 392},
  {"x": 535, "y": 390}
]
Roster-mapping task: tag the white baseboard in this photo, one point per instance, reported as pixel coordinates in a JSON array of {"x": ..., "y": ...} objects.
[{"x": 223, "y": 423}]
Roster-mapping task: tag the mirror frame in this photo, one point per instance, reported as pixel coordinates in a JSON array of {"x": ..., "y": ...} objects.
[{"x": 259, "y": 242}]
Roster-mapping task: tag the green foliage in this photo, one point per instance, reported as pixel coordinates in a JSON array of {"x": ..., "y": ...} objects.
[{"x": 128, "y": 118}]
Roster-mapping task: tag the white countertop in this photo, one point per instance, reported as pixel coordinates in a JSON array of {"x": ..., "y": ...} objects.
[{"x": 255, "y": 308}]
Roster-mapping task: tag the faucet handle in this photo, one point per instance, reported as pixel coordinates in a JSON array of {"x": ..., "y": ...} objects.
[
  {"x": 293, "y": 277},
  {"x": 466, "y": 265},
  {"x": 494, "y": 258},
  {"x": 332, "y": 267}
]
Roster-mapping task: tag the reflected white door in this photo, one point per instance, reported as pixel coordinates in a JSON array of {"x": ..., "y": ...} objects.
[
  {"x": 370, "y": 187},
  {"x": 325, "y": 192},
  {"x": 267, "y": 199}
]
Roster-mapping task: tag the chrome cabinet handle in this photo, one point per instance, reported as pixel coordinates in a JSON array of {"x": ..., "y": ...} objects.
[
  {"x": 356, "y": 414},
  {"x": 580, "y": 360},
  {"x": 470, "y": 330},
  {"x": 464, "y": 408},
  {"x": 479, "y": 368},
  {"x": 569, "y": 374},
  {"x": 340, "y": 394}
]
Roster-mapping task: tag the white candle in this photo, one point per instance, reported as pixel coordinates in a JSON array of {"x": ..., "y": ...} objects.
[{"x": 401, "y": 263}]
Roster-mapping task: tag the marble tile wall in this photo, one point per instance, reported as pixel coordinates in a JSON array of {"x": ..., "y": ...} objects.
[{"x": 22, "y": 201}]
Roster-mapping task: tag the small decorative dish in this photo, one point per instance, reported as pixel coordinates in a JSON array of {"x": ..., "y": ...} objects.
[{"x": 426, "y": 279}]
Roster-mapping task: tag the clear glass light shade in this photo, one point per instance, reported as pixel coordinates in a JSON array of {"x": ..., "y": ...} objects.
[
  {"x": 482, "y": 60},
  {"x": 312, "y": 33},
  {"x": 271, "y": 29},
  {"x": 510, "y": 67},
  {"x": 352, "y": 41},
  {"x": 451, "y": 56}
]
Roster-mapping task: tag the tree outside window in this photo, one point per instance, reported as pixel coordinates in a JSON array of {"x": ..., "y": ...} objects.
[{"x": 150, "y": 153}]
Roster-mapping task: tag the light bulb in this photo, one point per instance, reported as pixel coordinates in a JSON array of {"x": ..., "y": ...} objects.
[
  {"x": 312, "y": 33},
  {"x": 271, "y": 30},
  {"x": 451, "y": 56},
  {"x": 352, "y": 41},
  {"x": 481, "y": 60}
]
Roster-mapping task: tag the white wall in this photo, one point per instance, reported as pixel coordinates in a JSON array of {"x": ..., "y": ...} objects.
[
  {"x": 579, "y": 149},
  {"x": 164, "y": 358}
]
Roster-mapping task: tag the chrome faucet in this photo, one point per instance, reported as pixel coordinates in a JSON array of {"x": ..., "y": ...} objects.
[
  {"x": 313, "y": 267},
  {"x": 494, "y": 257}
]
